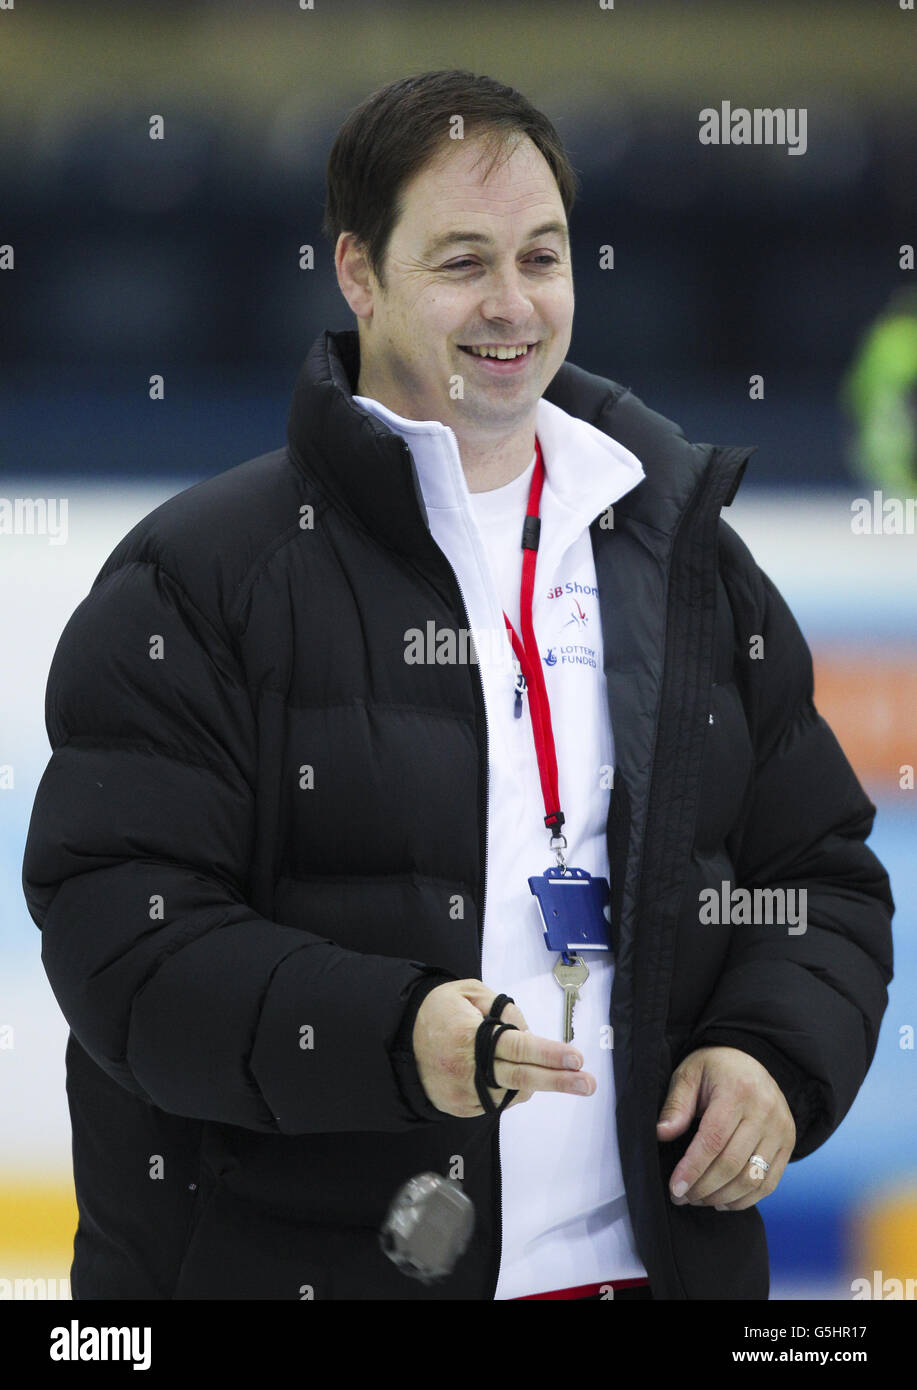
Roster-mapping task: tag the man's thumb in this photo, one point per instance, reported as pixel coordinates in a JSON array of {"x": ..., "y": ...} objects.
[{"x": 678, "y": 1110}]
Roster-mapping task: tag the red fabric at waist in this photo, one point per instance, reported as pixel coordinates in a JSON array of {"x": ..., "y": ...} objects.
[{"x": 584, "y": 1290}]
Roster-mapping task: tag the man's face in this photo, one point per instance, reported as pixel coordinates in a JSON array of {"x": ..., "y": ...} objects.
[{"x": 470, "y": 263}]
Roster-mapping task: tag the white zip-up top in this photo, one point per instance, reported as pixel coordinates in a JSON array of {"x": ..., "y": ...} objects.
[{"x": 564, "y": 1210}]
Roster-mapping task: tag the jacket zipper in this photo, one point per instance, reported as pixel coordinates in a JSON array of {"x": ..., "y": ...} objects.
[
  {"x": 494, "y": 1274},
  {"x": 498, "y": 1174}
]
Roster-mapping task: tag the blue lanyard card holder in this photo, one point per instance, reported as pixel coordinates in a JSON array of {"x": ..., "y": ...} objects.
[{"x": 574, "y": 909}]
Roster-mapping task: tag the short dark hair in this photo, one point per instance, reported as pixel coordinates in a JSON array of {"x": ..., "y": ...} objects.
[{"x": 399, "y": 128}]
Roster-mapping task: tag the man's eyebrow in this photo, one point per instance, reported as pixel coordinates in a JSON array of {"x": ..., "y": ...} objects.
[{"x": 481, "y": 238}]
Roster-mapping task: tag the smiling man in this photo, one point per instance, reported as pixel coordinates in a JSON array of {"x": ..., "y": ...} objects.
[
  {"x": 478, "y": 292},
  {"x": 324, "y": 917}
]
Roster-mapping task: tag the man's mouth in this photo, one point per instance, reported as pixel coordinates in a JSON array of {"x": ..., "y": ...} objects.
[{"x": 502, "y": 353}]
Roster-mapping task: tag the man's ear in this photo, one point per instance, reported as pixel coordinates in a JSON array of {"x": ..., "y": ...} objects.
[{"x": 355, "y": 278}]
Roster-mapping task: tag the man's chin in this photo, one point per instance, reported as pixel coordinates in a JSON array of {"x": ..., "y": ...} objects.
[{"x": 486, "y": 413}]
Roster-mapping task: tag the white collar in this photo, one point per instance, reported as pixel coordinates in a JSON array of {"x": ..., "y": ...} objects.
[{"x": 585, "y": 468}]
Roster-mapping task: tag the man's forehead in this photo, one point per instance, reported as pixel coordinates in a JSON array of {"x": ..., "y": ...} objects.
[{"x": 519, "y": 188}]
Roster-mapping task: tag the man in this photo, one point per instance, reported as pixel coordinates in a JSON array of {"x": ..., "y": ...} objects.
[{"x": 281, "y": 853}]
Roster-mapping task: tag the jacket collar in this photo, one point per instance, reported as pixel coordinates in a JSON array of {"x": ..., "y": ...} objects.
[
  {"x": 347, "y": 450},
  {"x": 585, "y": 469}
]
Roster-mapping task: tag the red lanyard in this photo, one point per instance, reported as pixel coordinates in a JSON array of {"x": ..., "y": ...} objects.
[{"x": 530, "y": 660}]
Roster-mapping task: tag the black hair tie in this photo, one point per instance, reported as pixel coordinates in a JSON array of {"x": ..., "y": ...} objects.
[{"x": 490, "y": 1030}]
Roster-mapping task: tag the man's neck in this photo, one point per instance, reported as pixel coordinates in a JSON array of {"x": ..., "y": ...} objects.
[{"x": 489, "y": 468}]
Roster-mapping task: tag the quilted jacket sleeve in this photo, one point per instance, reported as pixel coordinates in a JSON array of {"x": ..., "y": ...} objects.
[
  {"x": 135, "y": 870},
  {"x": 808, "y": 1005}
]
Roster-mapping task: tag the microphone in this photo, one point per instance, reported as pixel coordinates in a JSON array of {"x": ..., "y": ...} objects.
[{"x": 428, "y": 1227}]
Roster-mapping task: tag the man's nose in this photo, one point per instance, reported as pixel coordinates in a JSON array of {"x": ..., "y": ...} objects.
[{"x": 507, "y": 298}]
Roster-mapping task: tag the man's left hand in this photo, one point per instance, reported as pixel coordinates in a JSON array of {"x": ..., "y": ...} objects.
[{"x": 743, "y": 1112}]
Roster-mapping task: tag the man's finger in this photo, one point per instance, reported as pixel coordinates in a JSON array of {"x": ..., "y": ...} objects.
[
  {"x": 681, "y": 1102},
  {"x": 718, "y": 1124},
  {"x": 730, "y": 1201},
  {"x": 513, "y": 1014},
  {"x": 525, "y": 1061},
  {"x": 728, "y": 1167}
]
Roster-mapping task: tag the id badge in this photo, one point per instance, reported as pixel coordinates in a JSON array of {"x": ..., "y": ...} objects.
[{"x": 574, "y": 908}]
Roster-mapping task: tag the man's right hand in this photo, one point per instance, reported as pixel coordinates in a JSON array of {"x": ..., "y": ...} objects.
[{"x": 443, "y": 1038}]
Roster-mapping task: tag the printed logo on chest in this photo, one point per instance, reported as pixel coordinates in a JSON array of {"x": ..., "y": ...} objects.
[{"x": 571, "y": 616}]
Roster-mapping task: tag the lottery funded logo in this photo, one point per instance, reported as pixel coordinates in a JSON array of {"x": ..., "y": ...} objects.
[{"x": 570, "y": 654}]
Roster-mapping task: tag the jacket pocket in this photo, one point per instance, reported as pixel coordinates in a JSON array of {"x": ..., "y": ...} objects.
[{"x": 237, "y": 1251}]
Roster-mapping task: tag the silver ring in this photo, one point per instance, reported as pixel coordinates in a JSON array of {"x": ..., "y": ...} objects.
[{"x": 757, "y": 1167}]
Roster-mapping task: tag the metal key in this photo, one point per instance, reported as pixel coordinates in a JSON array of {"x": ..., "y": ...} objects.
[{"x": 570, "y": 977}]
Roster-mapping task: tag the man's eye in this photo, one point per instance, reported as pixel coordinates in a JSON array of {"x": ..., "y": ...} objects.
[{"x": 544, "y": 258}]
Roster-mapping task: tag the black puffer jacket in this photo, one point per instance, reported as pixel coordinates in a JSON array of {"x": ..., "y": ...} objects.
[{"x": 202, "y": 904}]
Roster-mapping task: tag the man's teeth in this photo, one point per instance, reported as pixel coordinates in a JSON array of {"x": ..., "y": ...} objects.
[{"x": 503, "y": 353}]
